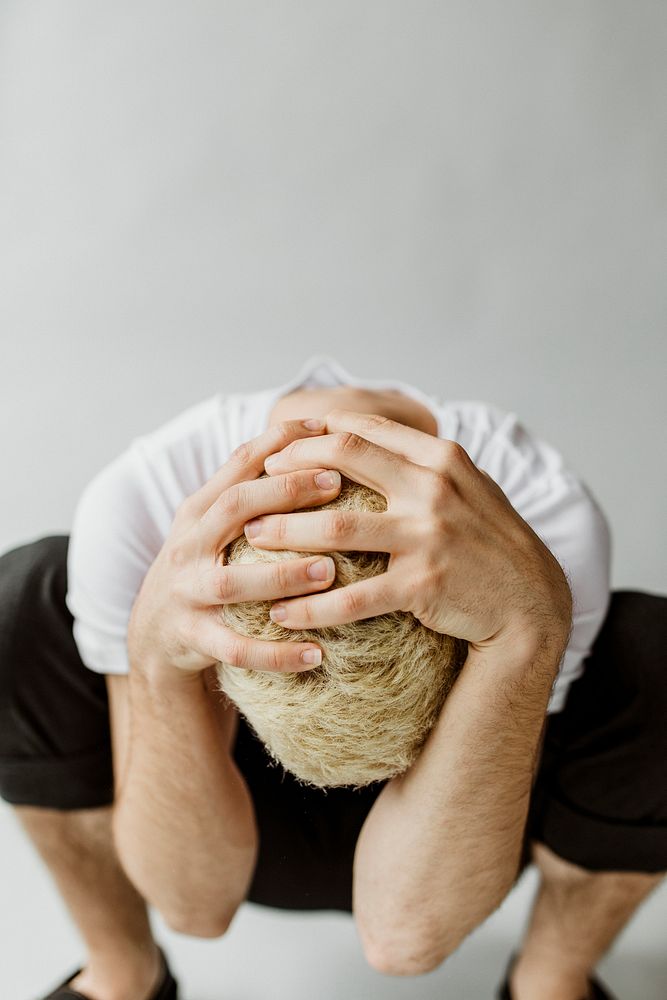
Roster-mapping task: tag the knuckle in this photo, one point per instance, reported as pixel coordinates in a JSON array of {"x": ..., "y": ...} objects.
[
  {"x": 179, "y": 555},
  {"x": 489, "y": 478},
  {"x": 336, "y": 525},
  {"x": 226, "y": 587},
  {"x": 439, "y": 488},
  {"x": 279, "y": 528},
  {"x": 336, "y": 414},
  {"x": 285, "y": 431},
  {"x": 234, "y": 651},
  {"x": 274, "y": 658},
  {"x": 243, "y": 499},
  {"x": 289, "y": 488},
  {"x": 243, "y": 454},
  {"x": 229, "y": 503},
  {"x": 283, "y": 573},
  {"x": 373, "y": 422},
  {"x": 347, "y": 443},
  {"x": 304, "y": 612},
  {"x": 451, "y": 451},
  {"x": 351, "y": 602},
  {"x": 285, "y": 435},
  {"x": 287, "y": 450}
]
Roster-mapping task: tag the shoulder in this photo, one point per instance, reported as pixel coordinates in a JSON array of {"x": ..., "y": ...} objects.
[
  {"x": 558, "y": 505},
  {"x": 123, "y": 517},
  {"x": 143, "y": 487},
  {"x": 501, "y": 444}
]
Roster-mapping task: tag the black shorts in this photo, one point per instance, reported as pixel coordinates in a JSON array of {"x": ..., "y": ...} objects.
[{"x": 600, "y": 799}]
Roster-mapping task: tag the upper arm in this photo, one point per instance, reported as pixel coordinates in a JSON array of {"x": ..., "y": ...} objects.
[
  {"x": 562, "y": 511},
  {"x": 121, "y": 522},
  {"x": 114, "y": 539}
]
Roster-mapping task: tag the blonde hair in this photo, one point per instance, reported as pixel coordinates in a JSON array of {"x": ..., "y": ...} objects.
[{"x": 364, "y": 714}]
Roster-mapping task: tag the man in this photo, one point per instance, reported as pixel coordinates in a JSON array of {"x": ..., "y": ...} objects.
[{"x": 491, "y": 539}]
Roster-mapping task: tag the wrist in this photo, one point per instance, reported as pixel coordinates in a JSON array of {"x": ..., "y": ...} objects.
[
  {"x": 159, "y": 672},
  {"x": 164, "y": 662},
  {"x": 530, "y": 639},
  {"x": 530, "y": 659},
  {"x": 541, "y": 632}
]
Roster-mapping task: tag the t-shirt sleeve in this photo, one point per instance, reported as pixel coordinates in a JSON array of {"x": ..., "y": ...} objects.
[
  {"x": 113, "y": 542},
  {"x": 562, "y": 511},
  {"x": 125, "y": 514}
]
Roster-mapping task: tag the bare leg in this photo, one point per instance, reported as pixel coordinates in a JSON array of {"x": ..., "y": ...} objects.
[
  {"x": 576, "y": 916},
  {"x": 77, "y": 846}
]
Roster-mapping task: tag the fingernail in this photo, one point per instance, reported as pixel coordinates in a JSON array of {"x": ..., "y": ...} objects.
[
  {"x": 278, "y": 613},
  {"x": 253, "y": 528},
  {"x": 321, "y": 569},
  {"x": 314, "y": 424},
  {"x": 313, "y": 656},
  {"x": 327, "y": 480},
  {"x": 270, "y": 461}
]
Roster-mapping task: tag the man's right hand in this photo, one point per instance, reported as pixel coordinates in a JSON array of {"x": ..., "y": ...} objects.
[{"x": 174, "y": 621}]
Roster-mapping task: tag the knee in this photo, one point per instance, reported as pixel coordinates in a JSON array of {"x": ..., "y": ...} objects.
[
  {"x": 25, "y": 572},
  {"x": 30, "y": 576},
  {"x": 18, "y": 566},
  {"x": 553, "y": 868},
  {"x": 560, "y": 875}
]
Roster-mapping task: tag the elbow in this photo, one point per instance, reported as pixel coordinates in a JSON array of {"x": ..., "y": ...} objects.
[
  {"x": 403, "y": 948},
  {"x": 180, "y": 910},
  {"x": 431, "y": 942},
  {"x": 416, "y": 956},
  {"x": 403, "y": 963},
  {"x": 413, "y": 958},
  {"x": 199, "y": 923}
]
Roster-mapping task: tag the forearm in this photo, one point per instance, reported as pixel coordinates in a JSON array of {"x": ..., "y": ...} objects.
[
  {"x": 184, "y": 823},
  {"x": 440, "y": 848}
]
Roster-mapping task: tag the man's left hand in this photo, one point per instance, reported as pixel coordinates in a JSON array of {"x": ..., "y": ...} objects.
[{"x": 462, "y": 560}]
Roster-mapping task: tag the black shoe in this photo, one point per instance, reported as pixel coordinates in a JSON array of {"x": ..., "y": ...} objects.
[
  {"x": 596, "y": 990},
  {"x": 167, "y": 988}
]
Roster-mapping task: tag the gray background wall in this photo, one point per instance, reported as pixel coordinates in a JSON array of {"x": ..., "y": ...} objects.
[{"x": 195, "y": 196}]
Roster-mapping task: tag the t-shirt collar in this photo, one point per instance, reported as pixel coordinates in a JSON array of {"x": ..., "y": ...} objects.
[{"x": 325, "y": 370}]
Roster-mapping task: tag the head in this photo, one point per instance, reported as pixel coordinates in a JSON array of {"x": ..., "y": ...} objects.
[{"x": 364, "y": 714}]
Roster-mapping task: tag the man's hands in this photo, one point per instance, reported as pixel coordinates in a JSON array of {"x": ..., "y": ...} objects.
[
  {"x": 174, "y": 620},
  {"x": 462, "y": 560}
]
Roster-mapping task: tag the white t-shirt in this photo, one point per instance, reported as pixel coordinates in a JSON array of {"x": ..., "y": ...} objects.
[{"x": 125, "y": 513}]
